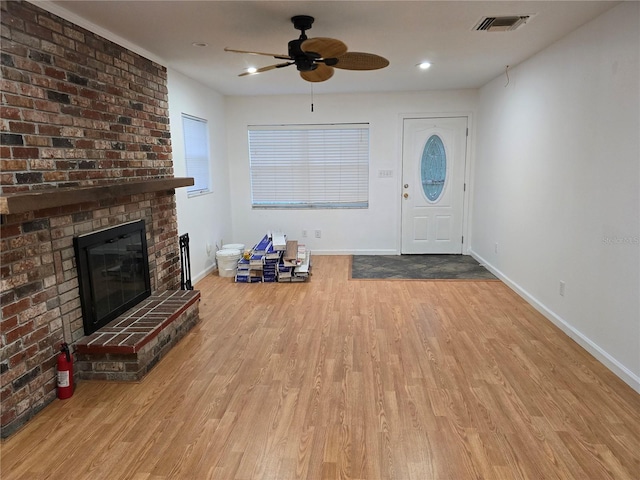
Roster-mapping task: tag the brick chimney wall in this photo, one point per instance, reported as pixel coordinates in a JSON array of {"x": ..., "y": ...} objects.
[{"x": 76, "y": 110}]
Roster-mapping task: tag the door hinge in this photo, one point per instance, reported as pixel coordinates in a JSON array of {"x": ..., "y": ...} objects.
[
  {"x": 463, "y": 239},
  {"x": 464, "y": 188},
  {"x": 467, "y": 131}
]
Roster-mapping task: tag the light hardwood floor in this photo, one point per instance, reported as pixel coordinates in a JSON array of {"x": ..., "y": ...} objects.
[{"x": 338, "y": 378}]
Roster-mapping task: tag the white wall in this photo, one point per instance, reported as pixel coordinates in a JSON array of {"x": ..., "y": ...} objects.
[
  {"x": 555, "y": 179},
  {"x": 556, "y": 185},
  {"x": 375, "y": 230},
  {"x": 206, "y": 218}
]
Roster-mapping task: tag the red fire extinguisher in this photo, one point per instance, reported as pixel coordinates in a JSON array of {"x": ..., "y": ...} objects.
[{"x": 65, "y": 372}]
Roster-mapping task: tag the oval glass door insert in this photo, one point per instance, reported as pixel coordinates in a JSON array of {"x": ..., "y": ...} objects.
[{"x": 433, "y": 168}]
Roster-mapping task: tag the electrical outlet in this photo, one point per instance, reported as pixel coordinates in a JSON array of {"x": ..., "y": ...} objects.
[
  {"x": 318, "y": 233},
  {"x": 304, "y": 234},
  {"x": 561, "y": 288}
]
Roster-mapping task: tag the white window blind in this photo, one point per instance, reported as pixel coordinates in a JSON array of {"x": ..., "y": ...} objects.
[
  {"x": 309, "y": 166},
  {"x": 196, "y": 153}
]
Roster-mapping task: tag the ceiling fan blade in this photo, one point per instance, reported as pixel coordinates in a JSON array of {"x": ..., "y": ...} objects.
[
  {"x": 267, "y": 68},
  {"x": 325, "y": 47},
  {"x": 320, "y": 74},
  {"x": 274, "y": 55},
  {"x": 361, "y": 61}
]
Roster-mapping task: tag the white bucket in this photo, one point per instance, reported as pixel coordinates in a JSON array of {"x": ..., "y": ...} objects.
[
  {"x": 234, "y": 246},
  {"x": 227, "y": 260}
]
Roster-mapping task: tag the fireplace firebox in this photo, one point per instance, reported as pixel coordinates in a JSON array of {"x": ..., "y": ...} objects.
[{"x": 113, "y": 272}]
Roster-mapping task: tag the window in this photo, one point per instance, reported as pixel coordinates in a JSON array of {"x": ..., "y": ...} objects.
[
  {"x": 309, "y": 166},
  {"x": 196, "y": 153},
  {"x": 433, "y": 168}
]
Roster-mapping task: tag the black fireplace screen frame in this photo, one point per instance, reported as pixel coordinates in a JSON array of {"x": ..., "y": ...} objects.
[{"x": 134, "y": 262}]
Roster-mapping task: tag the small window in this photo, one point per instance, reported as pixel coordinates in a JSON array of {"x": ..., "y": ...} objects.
[
  {"x": 309, "y": 166},
  {"x": 196, "y": 153},
  {"x": 433, "y": 168}
]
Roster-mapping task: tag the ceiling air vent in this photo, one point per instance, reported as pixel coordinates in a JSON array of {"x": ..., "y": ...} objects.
[{"x": 501, "y": 24}]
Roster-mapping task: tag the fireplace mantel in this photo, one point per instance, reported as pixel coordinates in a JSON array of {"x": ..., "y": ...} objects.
[{"x": 57, "y": 197}]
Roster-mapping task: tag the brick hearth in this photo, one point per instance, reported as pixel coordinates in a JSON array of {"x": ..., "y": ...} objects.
[{"x": 128, "y": 347}]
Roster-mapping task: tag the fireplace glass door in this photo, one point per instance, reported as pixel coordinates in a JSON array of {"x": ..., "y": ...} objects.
[{"x": 113, "y": 271}]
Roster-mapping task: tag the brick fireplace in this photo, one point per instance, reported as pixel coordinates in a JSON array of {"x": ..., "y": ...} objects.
[{"x": 85, "y": 145}]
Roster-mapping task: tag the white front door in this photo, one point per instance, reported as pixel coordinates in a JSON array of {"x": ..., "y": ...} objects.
[{"x": 433, "y": 166}]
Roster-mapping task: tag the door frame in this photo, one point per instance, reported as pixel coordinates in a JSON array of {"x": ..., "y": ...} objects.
[{"x": 468, "y": 171}]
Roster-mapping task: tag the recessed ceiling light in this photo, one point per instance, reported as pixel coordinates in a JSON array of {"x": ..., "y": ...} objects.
[
  {"x": 252, "y": 70},
  {"x": 423, "y": 65},
  {"x": 200, "y": 44}
]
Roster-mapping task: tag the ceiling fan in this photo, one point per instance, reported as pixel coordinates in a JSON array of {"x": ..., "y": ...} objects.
[{"x": 316, "y": 58}]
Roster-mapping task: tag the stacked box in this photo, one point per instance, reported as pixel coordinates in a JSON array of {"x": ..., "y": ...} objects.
[
  {"x": 242, "y": 272},
  {"x": 284, "y": 271},
  {"x": 267, "y": 262},
  {"x": 279, "y": 241},
  {"x": 251, "y": 270},
  {"x": 262, "y": 246},
  {"x": 295, "y": 269},
  {"x": 270, "y": 264},
  {"x": 269, "y": 271}
]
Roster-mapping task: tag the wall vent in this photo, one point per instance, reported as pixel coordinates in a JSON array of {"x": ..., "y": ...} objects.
[{"x": 501, "y": 24}]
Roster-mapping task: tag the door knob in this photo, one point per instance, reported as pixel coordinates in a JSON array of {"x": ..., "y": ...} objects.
[{"x": 406, "y": 195}]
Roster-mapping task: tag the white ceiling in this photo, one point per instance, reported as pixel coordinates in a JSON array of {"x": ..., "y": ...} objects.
[{"x": 405, "y": 32}]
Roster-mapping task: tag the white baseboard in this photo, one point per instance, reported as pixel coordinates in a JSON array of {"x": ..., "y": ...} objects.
[
  {"x": 585, "y": 342},
  {"x": 203, "y": 274}
]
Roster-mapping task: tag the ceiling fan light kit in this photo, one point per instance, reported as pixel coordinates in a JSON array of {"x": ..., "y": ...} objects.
[{"x": 316, "y": 58}]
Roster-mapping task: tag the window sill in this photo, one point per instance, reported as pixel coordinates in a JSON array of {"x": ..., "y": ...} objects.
[{"x": 198, "y": 194}]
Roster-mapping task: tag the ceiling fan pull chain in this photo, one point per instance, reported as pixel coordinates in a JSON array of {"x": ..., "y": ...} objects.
[{"x": 312, "y": 98}]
